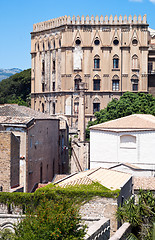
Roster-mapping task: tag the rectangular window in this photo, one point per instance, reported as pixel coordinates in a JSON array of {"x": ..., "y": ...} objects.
[
  {"x": 115, "y": 85},
  {"x": 115, "y": 63},
  {"x": 53, "y": 86},
  {"x": 43, "y": 67},
  {"x": 43, "y": 87},
  {"x": 134, "y": 87},
  {"x": 53, "y": 107},
  {"x": 96, "y": 107},
  {"x": 96, "y": 84},
  {"x": 150, "y": 67},
  {"x": 53, "y": 65},
  {"x": 96, "y": 63}
]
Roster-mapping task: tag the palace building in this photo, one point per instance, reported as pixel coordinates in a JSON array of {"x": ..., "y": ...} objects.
[{"x": 109, "y": 56}]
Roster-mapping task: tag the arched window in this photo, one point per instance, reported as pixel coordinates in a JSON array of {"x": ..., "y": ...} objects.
[
  {"x": 127, "y": 141},
  {"x": 54, "y": 44},
  {"x": 115, "y": 83},
  {"x": 135, "y": 64},
  {"x": 76, "y": 105},
  {"x": 77, "y": 81},
  {"x": 43, "y": 47},
  {"x": 38, "y": 46},
  {"x": 115, "y": 61},
  {"x": 96, "y": 105},
  {"x": 96, "y": 62},
  {"x": 134, "y": 81},
  {"x": 96, "y": 82}
]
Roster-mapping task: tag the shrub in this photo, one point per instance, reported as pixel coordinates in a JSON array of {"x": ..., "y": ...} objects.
[{"x": 51, "y": 221}]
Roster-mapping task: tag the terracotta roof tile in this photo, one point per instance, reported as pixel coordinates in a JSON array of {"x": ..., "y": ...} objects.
[
  {"x": 111, "y": 179},
  {"x": 59, "y": 177},
  {"x": 135, "y": 121},
  {"x": 12, "y": 113},
  {"x": 145, "y": 183}
]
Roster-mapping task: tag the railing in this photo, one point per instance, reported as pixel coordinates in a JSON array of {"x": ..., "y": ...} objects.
[{"x": 98, "y": 231}]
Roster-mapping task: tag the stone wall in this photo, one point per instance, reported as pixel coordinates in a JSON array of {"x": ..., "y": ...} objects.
[
  {"x": 122, "y": 232},
  {"x": 99, "y": 231},
  {"x": 91, "y": 20},
  {"x": 8, "y": 221},
  {"x": 43, "y": 152},
  {"x": 99, "y": 208},
  {"x": 15, "y": 155},
  {"x": 9, "y": 161},
  {"x": 80, "y": 156}
]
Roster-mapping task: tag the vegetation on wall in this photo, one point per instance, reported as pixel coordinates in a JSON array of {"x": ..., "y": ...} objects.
[
  {"x": 51, "y": 220},
  {"x": 129, "y": 103},
  {"x": 77, "y": 194},
  {"x": 141, "y": 214},
  {"x": 52, "y": 212},
  {"x": 16, "y": 89}
]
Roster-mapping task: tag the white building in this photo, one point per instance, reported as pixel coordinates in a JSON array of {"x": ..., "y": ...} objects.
[{"x": 129, "y": 140}]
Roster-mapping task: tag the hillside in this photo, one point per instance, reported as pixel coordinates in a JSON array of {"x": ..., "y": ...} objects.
[
  {"x": 6, "y": 73},
  {"x": 16, "y": 89}
]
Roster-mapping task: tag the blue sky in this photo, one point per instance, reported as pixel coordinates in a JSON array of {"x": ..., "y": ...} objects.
[{"x": 18, "y": 16}]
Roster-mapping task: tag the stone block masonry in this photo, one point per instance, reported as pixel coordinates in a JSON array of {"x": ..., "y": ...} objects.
[
  {"x": 99, "y": 208},
  {"x": 9, "y": 161}
]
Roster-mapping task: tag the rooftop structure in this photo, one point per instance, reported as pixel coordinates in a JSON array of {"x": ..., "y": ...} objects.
[
  {"x": 129, "y": 140},
  {"x": 133, "y": 122},
  {"x": 110, "y": 179}
]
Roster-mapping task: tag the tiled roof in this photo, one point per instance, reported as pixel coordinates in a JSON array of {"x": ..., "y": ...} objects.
[
  {"x": 131, "y": 122},
  {"x": 111, "y": 179},
  {"x": 145, "y": 183},
  {"x": 59, "y": 177},
  {"x": 79, "y": 181},
  {"x": 12, "y": 113},
  {"x": 126, "y": 165}
]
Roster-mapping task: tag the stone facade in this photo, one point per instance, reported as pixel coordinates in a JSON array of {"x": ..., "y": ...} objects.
[
  {"x": 9, "y": 161},
  {"x": 109, "y": 55},
  {"x": 99, "y": 208},
  {"x": 43, "y": 144},
  {"x": 151, "y": 62}
]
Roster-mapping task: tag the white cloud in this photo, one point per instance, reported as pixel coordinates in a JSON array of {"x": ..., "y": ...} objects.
[{"x": 153, "y": 1}]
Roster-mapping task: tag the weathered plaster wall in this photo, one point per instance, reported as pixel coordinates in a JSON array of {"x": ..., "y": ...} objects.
[{"x": 99, "y": 208}]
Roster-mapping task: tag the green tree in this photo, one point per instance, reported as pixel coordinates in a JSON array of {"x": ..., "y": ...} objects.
[
  {"x": 51, "y": 221},
  {"x": 129, "y": 103},
  {"x": 141, "y": 214},
  {"x": 7, "y": 234},
  {"x": 16, "y": 89}
]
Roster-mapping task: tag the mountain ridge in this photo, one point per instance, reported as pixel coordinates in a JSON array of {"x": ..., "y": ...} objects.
[{"x": 5, "y": 73}]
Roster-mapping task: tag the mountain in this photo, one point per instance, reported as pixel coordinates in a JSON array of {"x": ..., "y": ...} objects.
[{"x": 5, "y": 73}]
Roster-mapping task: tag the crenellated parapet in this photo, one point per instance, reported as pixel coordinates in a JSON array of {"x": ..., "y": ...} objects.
[{"x": 61, "y": 21}]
